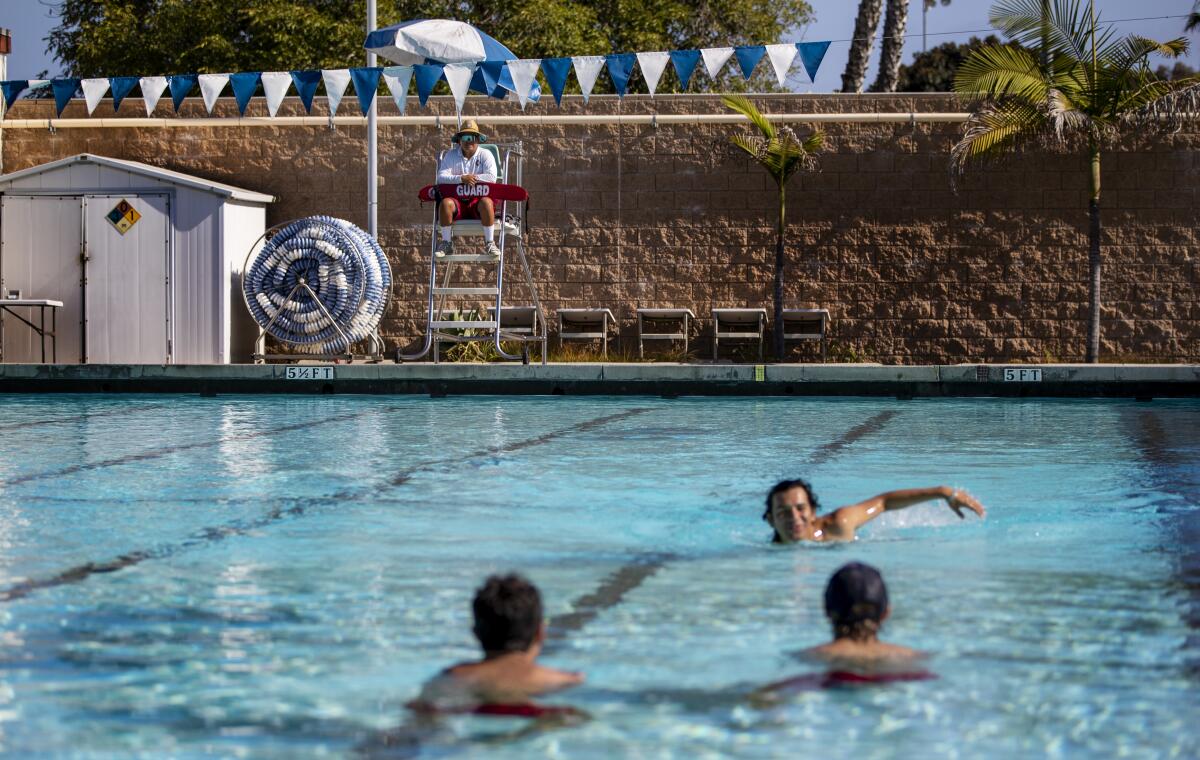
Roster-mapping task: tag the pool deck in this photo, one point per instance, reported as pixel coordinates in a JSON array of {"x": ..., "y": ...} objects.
[{"x": 646, "y": 379}]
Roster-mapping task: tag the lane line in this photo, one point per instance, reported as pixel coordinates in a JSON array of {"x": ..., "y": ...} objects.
[
  {"x": 218, "y": 533},
  {"x": 146, "y": 456}
]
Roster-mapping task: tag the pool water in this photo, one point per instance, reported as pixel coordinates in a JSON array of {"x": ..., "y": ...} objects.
[{"x": 274, "y": 576}]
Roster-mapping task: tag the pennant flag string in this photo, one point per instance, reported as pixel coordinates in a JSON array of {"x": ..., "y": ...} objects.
[
  {"x": 496, "y": 78},
  {"x": 748, "y": 57},
  {"x": 811, "y": 55},
  {"x": 244, "y": 85},
  {"x": 210, "y": 88},
  {"x": 652, "y": 66},
  {"x": 556, "y": 71},
  {"x": 587, "y": 69},
  {"x": 275, "y": 86},
  {"x": 93, "y": 91},
  {"x": 152, "y": 90},
  {"x": 620, "y": 68},
  {"x": 121, "y": 87},
  {"x": 684, "y": 62},
  {"x": 306, "y": 86},
  {"x": 397, "y": 78},
  {"x": 336, "y": 82},
  {"x": 366, "y": 82}
]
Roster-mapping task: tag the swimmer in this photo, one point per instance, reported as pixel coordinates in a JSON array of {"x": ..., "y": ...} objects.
[
  {"x": 856, "y": 603},
  {"x": 510, "y": 629},
  {"x": 792, "y": 510}
]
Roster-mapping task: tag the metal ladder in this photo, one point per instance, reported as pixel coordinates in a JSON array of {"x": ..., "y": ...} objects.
[{"x": 510, "y": 219}]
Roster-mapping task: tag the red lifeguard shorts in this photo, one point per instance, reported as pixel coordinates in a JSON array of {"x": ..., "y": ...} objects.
[{"x": 466, "y": 208}]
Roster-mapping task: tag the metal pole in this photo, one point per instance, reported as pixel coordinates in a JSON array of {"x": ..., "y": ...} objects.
[
  {"x": 924, "y": 21},
  {"x": 372, "y": 144}
]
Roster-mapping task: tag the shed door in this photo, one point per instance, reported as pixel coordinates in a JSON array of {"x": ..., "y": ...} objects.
[
  {"x": 40, "y": 245},
  {"x": 126, "y": 305}
]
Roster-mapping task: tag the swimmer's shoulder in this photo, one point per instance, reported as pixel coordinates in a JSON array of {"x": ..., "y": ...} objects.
[{"x": 552, "y": 679}]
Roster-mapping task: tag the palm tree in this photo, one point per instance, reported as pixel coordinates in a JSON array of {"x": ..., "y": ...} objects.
[
  {"x": 860, "y": 46},
  {"x": 894, "y": 24},
  {"x": 1193, "y": 21},
  {"x": 1074, "y": 85},
  {"x": 782, "y": 153}
]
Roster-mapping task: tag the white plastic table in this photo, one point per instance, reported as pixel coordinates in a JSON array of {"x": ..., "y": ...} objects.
[{"x": 41, "y": 304}]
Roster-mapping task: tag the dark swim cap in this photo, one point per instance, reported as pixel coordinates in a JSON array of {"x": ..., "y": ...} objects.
[{"x": 856, "y": 593}]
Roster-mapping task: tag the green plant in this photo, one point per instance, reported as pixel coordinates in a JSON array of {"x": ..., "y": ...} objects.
[
  {"x": 782, "y": 153},
  {"x": 1073, "y": 85}
]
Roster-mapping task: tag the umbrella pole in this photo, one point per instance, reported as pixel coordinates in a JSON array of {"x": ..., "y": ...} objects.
[{"x": 372, "y": 144}]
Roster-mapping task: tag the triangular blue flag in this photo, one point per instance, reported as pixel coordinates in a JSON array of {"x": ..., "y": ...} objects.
[
  {"x": 12, "y": 90},
  {"x": 366, "y": 82},
  {"x": 121, "y": 87},
  {"x": 620, "y": 67},
  {"x": 427, "y": 75},
  {"x": 685, "y": 62},
  {"x": 556, "y": 71},
  {"x": 748, "y": 57},
  {"x": 244, "y": 84},
  {"x": 811, "y": 54},
  {"x": 64, "y": 90},
  {"x": 489, "y": 72},
  {"x": 181, "y": 85},
  {"x": 306, "y": 86}
]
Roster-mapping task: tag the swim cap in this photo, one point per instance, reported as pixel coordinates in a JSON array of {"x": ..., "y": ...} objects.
[{"x": 855, "y": 593}]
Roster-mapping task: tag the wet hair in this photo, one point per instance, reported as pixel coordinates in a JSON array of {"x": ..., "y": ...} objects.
[
  {"x": 856, "y": 600},
  {"x": 787, "y": 485},
  {"x": 508, "y": 613}
]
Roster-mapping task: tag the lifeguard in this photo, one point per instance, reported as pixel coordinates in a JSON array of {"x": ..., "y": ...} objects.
[{"x": 467, "y": 166}]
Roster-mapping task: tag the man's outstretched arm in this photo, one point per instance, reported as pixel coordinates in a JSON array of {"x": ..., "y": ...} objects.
[{"x": 847, "y": 519}]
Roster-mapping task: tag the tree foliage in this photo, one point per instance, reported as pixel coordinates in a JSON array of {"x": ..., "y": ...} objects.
[
  {"x": 136, "y": 37},
  {"x": 1075, "y": 85},
  {"x": 782, "y": 153},
  {"x": 933, "y": 70}
]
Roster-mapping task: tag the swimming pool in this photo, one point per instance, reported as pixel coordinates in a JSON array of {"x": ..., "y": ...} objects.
[{"x": 274, "y": 577}]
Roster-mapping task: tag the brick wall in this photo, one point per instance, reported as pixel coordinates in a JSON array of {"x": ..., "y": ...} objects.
[{"x": 631, "y": 216}]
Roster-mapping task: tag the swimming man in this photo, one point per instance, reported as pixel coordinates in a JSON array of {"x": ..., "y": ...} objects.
[
  {"x": 510, "y": 629},
  {"x": 792, "y": 510}
]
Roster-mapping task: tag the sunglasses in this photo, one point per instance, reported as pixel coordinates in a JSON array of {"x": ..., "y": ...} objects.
[{"x": 468, "y": 139}]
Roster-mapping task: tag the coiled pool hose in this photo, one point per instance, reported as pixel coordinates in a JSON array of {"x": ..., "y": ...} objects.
[{"x": 343, "y": 266}]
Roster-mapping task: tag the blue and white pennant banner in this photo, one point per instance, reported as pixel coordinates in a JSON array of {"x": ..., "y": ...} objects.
[{"x": 483, "y": 77}]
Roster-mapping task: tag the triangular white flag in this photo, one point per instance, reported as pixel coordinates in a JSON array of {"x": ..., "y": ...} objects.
[
  {"x": 152, "y": 90},
  {"x": 275, "y": 86},
  {"x": 653, "y": 65},
  {"x": 458, "y": 76},
  {"x": 523, "y": 73},
  {"x": 715, "y": 59},
  {"x": 781, "y": 59},
  {"x": 336, "y": 82},
  {"x": 587, "y": 69},
  {"x": 93, "y": 91},
  {"x": 397, "y": 78},
  {"x": 211, "y": 86}
]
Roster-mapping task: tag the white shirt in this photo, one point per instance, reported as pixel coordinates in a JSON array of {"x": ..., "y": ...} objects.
[{"x": 454, "y": 165}]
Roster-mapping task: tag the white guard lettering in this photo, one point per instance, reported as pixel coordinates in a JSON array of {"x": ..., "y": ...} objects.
[{"x": 473, "y": 191}]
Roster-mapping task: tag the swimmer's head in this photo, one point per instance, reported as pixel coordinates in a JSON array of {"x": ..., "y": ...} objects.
[
  {"x": 856, "y": 602},
  {"x": 508, "y": 614},
  {"x": 791, "y": 505}
]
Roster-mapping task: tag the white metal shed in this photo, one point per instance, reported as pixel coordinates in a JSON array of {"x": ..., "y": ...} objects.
[{"x": 146, "y": 261}]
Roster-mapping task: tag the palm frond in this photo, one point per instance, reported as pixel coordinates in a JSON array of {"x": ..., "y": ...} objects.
[
  {"x": 742, "y": 105},
  {"x": 751, "y": 146},
  {"x": 1174, "y": 105},
  {"x": 997, "y": 71},
  {"x": 1065, "y": 30},
  {"x": 995, "y": 130},
  {"x": 1193, "y": 21},
  {"x": 1133, "y": 52}
]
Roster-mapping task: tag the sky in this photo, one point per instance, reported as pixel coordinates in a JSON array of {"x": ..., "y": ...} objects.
[{"x": 31, "y": 20}]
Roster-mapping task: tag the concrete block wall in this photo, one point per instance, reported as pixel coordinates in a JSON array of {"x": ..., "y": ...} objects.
[{"x": 911, "y": 270}]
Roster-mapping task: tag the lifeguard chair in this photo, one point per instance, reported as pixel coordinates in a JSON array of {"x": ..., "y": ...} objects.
[{"x": 510, "y": 230}]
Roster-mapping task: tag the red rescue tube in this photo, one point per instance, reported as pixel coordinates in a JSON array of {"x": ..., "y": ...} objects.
[
  {"x": 834, "y": 679},
  {"x": 497, "y": 191}
]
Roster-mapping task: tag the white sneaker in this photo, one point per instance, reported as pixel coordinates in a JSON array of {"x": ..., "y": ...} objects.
[
  {"x": 492, "y": 249},
  {"x": 445, "y": 248}
]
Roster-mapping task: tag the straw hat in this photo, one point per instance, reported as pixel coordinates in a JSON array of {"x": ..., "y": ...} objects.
[{"x": 469, "y": 127}]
